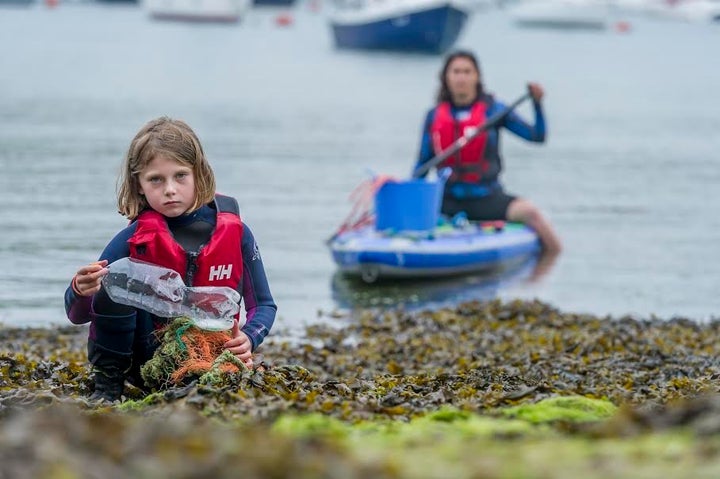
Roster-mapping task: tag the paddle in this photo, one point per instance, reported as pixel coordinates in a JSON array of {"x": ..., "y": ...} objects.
[{"x": 465, "y": 139}]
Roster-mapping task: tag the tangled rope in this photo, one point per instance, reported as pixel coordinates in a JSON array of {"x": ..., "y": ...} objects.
[
  {"x": 362, "y": 198},
  {"x": 187, "y": 351}
]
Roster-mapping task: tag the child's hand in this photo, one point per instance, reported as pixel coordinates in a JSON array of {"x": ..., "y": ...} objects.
[
  {"x": 241, "y": 346},
  {"x": 87, "y": 280}
]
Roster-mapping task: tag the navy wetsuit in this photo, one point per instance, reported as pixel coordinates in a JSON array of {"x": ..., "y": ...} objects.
[{"x": 485, "y": 200}]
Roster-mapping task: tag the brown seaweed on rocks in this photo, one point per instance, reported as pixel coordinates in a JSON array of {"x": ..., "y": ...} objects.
[
  {"x": 395, "y": 364},
  {"x": 373, "y": 367}
]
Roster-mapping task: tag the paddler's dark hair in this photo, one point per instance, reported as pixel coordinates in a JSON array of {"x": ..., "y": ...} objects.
[{"x": 444, "y": 92}]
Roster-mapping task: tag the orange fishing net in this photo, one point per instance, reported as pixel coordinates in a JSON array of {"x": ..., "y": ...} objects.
[{"x": 203, "y": 348}]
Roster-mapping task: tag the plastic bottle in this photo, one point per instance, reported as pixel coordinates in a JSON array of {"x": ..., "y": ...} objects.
[{"x": 162, "y": 292}]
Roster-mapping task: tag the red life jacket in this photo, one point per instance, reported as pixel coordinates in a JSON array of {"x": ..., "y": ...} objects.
[
  {"x": 219, "y": 262},
  {"x": 469, "y": 164}
]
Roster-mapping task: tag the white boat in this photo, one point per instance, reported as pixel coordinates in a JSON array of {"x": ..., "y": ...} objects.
[
  {"x": 561, "y": 14},
  {"x": 211, "y": 11},
  {"x": 430, "y": 26},
  {"x": 683, "y": 10},
  {"x": 693, "y": 10}
]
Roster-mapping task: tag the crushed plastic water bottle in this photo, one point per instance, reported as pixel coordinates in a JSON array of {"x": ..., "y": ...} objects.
[
  {"x": 162, "y": 292},
  {"x": 212, "y": 307}
]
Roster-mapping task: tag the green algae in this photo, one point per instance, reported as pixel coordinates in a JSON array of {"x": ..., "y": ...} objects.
[
  {"x": 311, "y": 425},
  {"x": 146, "y": 402},
  {"x": 183, "y": 444},
  {"x": 568, "y": 408}
]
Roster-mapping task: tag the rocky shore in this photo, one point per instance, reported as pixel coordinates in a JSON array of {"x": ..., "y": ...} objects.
[{"x": 487, "y": 389}]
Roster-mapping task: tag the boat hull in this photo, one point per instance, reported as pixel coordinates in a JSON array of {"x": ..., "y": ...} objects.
[
  {"x": 373, "y": 256},
  {"x": 561, "y": 14},
  {"x": 431, "y": 29},
  {"x": 273, "y": 3},
  {"x": 205, "y": 11},
  {"x": 16, "y": 3}
]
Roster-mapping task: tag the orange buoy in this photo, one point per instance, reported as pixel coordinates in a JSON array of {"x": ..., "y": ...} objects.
[
  {"x": 622, "y": 27},
  {"x": 51, "y": 3},
  {"x": 284, "y": 19}
]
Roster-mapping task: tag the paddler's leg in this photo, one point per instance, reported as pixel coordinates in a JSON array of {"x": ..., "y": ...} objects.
[{"x": 522, "y": 211}]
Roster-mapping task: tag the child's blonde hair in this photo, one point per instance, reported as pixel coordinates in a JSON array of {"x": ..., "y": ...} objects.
[{"x": 173, "y": 139}]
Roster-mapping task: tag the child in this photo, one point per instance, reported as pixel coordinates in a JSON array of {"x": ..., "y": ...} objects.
[{"x": 167, "y": 190}]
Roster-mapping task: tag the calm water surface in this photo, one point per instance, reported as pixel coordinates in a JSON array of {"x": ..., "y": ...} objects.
[{"x": 291, "y": 125}]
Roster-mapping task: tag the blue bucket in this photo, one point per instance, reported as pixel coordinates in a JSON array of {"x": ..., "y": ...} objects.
[{"x": 408, "y": 205}]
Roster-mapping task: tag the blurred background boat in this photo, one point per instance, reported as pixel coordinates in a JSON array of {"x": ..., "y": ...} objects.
[
  {"x": 211, "y": 11},
  {"x": 429, "y": 26},
  {"x": 691, "y": 10},
  {"x": 697, "y": 11},
  {"x": 273, "y": 3},
  {"x": 16, "y": 3},
  {"x": 561, "y": 14}
]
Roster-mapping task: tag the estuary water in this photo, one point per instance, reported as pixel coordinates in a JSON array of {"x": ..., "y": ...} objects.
[{"x": 291, "y": 125}]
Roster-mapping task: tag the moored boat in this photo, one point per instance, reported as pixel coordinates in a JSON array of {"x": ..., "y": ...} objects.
[
  {"x": 273, "y": 3},
  {"x": 694, "y": 10},
  {"x": 16, "y": 3},
  {"x": 203, "y": 11},
  {"x": 429, "y": 26},
  {"x": 561, "y": 14},
  {"x": 697, "y": 11}
]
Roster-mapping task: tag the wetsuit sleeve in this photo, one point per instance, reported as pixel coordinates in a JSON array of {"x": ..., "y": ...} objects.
[
  {"x": 260, "y": 306},
  {"x": 426, "y": 148},
  {"x": 79, "y": 308},
  {"x": 535, "y": 133}
]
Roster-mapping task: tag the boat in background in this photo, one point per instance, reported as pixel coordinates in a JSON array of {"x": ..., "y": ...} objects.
[
  {"x": 273, "y": 3},
  {"x": 16, "y": 3},
  {"x": 700, "y": 11},
  {"x": 561, "y": 14},
  {"x": 109, "y": 2},
  {"x": 427, "y": 26},
  {"x": 202, "y": 11},
  {"x": 448, "y": 250}
]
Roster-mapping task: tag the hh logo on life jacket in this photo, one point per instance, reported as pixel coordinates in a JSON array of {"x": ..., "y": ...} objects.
[{"x": 220, "y": 272}]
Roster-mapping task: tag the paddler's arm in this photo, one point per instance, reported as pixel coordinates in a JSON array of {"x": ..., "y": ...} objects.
[
  {"x": 535, "y": 133},
  {"x": 426, "y": 152}
]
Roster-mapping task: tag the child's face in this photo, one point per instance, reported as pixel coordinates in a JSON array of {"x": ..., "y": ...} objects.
[{"x": 168, "y": 186}]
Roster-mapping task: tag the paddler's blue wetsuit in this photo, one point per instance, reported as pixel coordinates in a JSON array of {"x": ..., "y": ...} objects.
[
  {"x": 128, "y": 331},
  {"x": 484, "y": 198}
]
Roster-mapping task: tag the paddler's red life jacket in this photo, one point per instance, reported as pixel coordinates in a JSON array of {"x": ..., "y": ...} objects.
[
  {"x": 469, "y": 164},
  {"x": 219, "y": 261}
]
